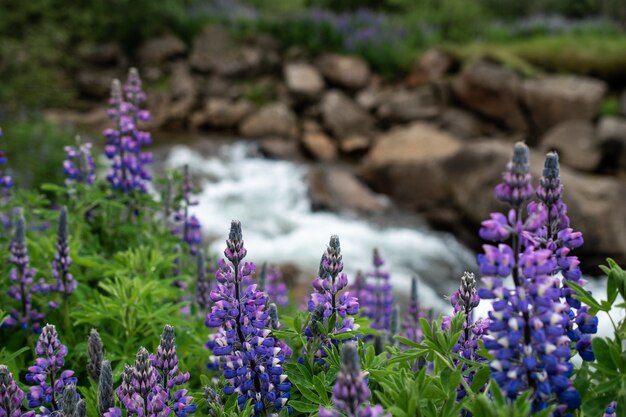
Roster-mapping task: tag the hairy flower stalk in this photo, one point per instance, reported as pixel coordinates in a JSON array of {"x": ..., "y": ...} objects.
[
  {"x": 21, "y": 277},
  {"x": 379, "y": 304},
  {"x": 188, "y": 226},
  {"x": 328, "y": 286},
  {"x": 125, "y": 141},
  {"x": 250, "y": 356},
  {"x": 411, "y": 328},
  {"x": 64, "y": 282},
  {"x": 203, "y": 286},
  {"x": 95, "y": 353},
  {"x": 106, "y": 399},
  {"x": 69, "y": 406},
  {"x": 50, "y": 381},
  {"x": 529, "y": 323},
  {"x": 11, "y": 396},
  {"x": 351, "y": 394},
  {"x": 79, "y": 167}
]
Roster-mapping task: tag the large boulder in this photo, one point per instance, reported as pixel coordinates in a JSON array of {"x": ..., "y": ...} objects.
[
  {"x": 182, "y": 92},
  {"x": 272, "y": 120},
  {"x": 491, "y": 90},
  {"x": 611, "y": 133},
  {"x": 431, "y": 66},
  {"x": 404, "y": 105},
  {"x": 576, "y": 143},
  {"x": 344, "y": 71},
  {"x": 319, "y": 145},
  {"x": 406, "y": 164},
  {"x": 339, "y": 190},
  {"x": 343, "y": 117},
  {"x": 95, "y": 83},
  {"x": 554, "y": 99},
  {"x": 303, "y": 80},
  {"x": 464, "y": 124},
  {"x": 156, "y": 51},
  {"x": 596, "y": 205},
  {"x": 223, "y": 113}
]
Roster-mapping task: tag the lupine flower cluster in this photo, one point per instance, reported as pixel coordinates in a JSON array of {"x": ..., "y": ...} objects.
[
  {"x": 271, "y": 281},
  {"x": 251, "y": 358},
  {"x": 48, "y": 379},
  {"x": 411, "y": 328},
  {"x": 6, "y": 182},
  {"x": 203, "y": 287},
  {"x": 125, "y": 141},
  {"x": 529, "y": 323},
  {"x": 378, "y": 301},
  {"x": 187, "y": 226},
  {"x": 95, "y": 350},
  {"x": 11, "y": 396},
  {"x": 328, "y": 296},
  {"x": 79, "y": 166},
  {"x": 351, "y": 394},
  {"x": 610, "y": 410},
  {"x": 23, "y": 288},
  {"x": 64, "y": 282}
]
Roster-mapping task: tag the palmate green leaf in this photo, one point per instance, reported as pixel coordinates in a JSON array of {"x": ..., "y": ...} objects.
[{"x": 304, "y": 407}]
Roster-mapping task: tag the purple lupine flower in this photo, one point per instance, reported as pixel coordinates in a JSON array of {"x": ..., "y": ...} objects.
[
  {"x": 411, "y": 328},
  {"x": 271, "y": 281},
  {"x": 251, "y": 358},
  {"x": 64, "y": 282},
  {"x": 106, "y": 400},
  {"x": 379, "y": 305},
  {"x": 11, "y": 396},
  {"x": 528, "y": 324},
  {"x": 95, "y": 353},
  {"x": 47, "y": 375},
  {"x": 188, "y": 226},
  {"x": 359, "y": 289},
  {"x": 79, "y": 166},
  {"x": 6, "y": 182},
  {"x": 328, "y": 285},
  {"x": 351, "y": 394},
  {"x": 166, "y": 362},
  {"x": 22, "y": 276},
  {"x": 203, "y": 288},
  {"x": 610, "y": 410},
  {"x": 125, "y": 140}
]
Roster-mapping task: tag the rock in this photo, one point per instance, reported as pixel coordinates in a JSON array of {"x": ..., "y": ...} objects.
[
  {"x": 344, "y": 71},
  {"x": 104, "y": 54},
  {"x": 492, "y": 91},
  {"x": 182, "y": 92},
  {"x": 611, "y": 133},
  {"x": 612, "y": 128},
  {"x": 279, "y": 148},
  {"x": 218, "y": 86},
  {"x": 576, "y": 143},
  {"x": 223, "y": 113},
  {"x": 404, "y": 105},
  {"x": 95, "y": 83},
  {"x": 354, "y": 143},
  {"x": 406, "y": 164},
  {"x": 464, "y": 124},
  {"x": 272, "y": 120},
  {"x": 554, "y": 99},
  {"x": 319, "y": 145},
  {"x": 303, "y": 80},
  {"x": 596, "y": 205},
  {"x": 622, "y": 104},
  {"x": 338, "y": 190},
  {"x": 96, "y": 118},
  {"x": 343, "y": 117},
  {"x": 370, "y": 98},
  {"x": 432, "y": 66},
  {"x": 157, "y": 51}
]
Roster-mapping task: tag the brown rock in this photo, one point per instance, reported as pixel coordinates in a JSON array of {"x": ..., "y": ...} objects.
[
  {"x": 612, "y": 128},
  {"x": 343, "y": 117},
  {"x": 407, "y": 105},
  {"x": 622, "y": 104},
  {"x": 576, "y": 143},
  {"x": 303, "y": 79},
  {"x": 182, "y": 92},
  {"x": 156, "y": 51},
  {"x": 464, "y": 124},
  {"x": 406, "y": 164},
  {"x": 611, "y": 133},
  {"x": 95, "y": 83},
  {"x": 432, "y": 66},
  {"x": 338, "y": 190},
  {"x": 492, "y": 91},
  {"x": 555, "y": 99},
  {"x": 108, "y": 53},
  {"x": 345, "y": 71},
  {"x": 279, "y": 148},
  {"x": 272, "y": 120},
  {"x": 354, "y": 143},
  {"x": 319, "y": 145},
  {"x": 224, "y": 114}
]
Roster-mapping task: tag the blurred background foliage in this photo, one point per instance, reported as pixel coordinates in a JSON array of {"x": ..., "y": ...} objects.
[{"x": 582, "y": 36}]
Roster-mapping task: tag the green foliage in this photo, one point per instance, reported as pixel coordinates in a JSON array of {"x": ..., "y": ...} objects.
[{"x": 493, "y": 404}]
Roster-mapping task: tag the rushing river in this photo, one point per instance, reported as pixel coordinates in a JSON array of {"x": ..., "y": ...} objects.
[{"x": 270, "y": 199}]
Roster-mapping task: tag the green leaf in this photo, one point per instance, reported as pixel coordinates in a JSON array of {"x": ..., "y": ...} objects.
[{"x": 304, "y": 407}]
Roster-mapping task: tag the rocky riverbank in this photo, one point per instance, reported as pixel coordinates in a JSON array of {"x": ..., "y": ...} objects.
[{"x": 435, "y": 142}]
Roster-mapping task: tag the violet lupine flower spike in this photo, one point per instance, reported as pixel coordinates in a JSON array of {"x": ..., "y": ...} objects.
[
  {"x": 21, "y": 276},
  {"x": 411, "y": 328},
  {"x": 610, "y": 410},
  {"x": 275, "y": 287},
  {"x": 188, "y": 226},
  {"x": 379, "y": 304},
  {"x": 47, "y": 374},
  {"x": 64, "y": 282},
  {"x": 106, "y": 400},
  {"x": 81, "y": 408},
  {"x": 69, "y": 404},
  {"x": 95, "y": 351},
  {"x": 5, "y": 180},
  {"x": 125, "y": 141},
  {"x": 203, "y": 287},
  {"x": 79, "y": 166},
  {"x": 11, "y": 396},
  {"x": 250, "y": 355},
  {"x": 351, "y": 394}
]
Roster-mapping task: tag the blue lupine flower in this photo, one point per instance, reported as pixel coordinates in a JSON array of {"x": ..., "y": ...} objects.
[
  {"x": 11, "y": 396},
  {"x": 64, "y": 282},
  {"x": 79, "y": 166},
  {"x": 379, "y": 304}
]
